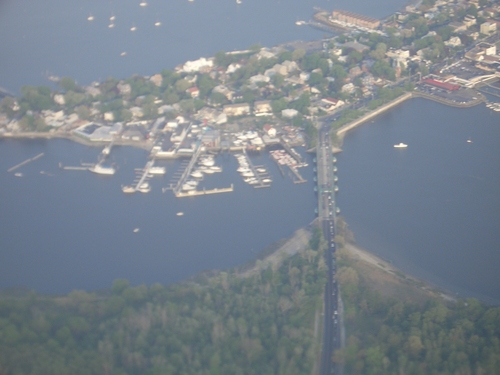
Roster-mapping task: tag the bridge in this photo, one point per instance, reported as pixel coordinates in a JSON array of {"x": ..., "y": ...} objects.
[{"x": 326, "y": 216}]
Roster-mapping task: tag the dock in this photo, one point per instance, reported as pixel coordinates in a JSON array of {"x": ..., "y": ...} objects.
[
  {"x": 187, "y": 170},
  {"x": 144, "y": 175},
  {"x": 298, "y": 178},
  {"x": 25, "y": 162},
  {"x": 257, "y": 174},
  {"x": 294, "y": 154},
  {"x": 70, "y": 168},
  {"x": 194, "y": 193}
]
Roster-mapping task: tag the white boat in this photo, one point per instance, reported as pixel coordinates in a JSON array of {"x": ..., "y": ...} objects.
[
  {"x": 157, "y": 170},
  {"x": 253, "y": 182},
  {"x": 208, "y": 171},
  {"x": 158, "y": 23},
  {"x": 401, "y": 145},
  {"x": 123, "y": 54},
  {"x": 18, "y": 174},
  {"x": 143, "y": 4},
  {"x": 247, "y": 174},
  {"x": 197, "y": 174},
  {"x": 128, "y": 189},
  {"x": 136, "y": 230},
  {"x": 216, "y": 168},
  {"x": 192, "y": 183},
  {"x": 469, "y": 141},
  {"x": 144, "y": 188},
  {"x": 239, "y": 1},
  {"x": 180, "y": 213},
  {"x": 242, "y": 169},
  {"x": 133, "y": 28},
  {"x": 261, "y": 170},
  {"x": 267, "y": 180},
  {"x": 112, "y": 18},
  {"x": 209, "y": 162},
  {"x": 187, "y": 187},
  {"x": 99, "y": 169},
  {"x": 90, "y": 18},
  {"x": 300, "y": 23},
  {"x": 111, "y": 25}
]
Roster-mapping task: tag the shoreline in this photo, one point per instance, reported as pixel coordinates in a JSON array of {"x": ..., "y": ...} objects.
[{"x": 395, "y": 102}]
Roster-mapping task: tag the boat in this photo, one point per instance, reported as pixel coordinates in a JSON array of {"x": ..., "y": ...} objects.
[
  {"x": 123, "y": 54},
  {"x": 180, "y": 213},
  {"x": 208, "y": 171},
  {"x": 247, "y": 174},
  {"x": 239, "y": 1},
  {"x": 261, "y": 170},
  {"x": 158, "y": 23},
  {"x": 300, "y": 23},
  {"x": 192, "y": 182},
  {"x": 18, "y": 174},
  {"x": 197, "y": 174},
  {"x": 112, "y": 18},
  {"x": 128, "y": 189},
  {"x": 187, "y": 187},
  {"x": 157, "y": 170},
  {"x": 133, "y": 28},
  {"x": 267, "y": 180},
  {"x": 216, "y": 168},
  {"x": 469, "y": 141},
  {"x": 144, "y": 188},
  {"x": 401, "y": 145},
  {"x": 91, "y": 17},
  {"x": 242, "y": 169},
  {"x": 253, "y": 182},
  {"x": 111, "y": 25},
  {"x": 143, "y": 4},
  {"x": 99, "y": 169},
  {"x": 136, "y": 230}
]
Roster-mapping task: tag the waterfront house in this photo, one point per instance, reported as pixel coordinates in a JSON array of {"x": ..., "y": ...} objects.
[{"x": 194, "y": 92}]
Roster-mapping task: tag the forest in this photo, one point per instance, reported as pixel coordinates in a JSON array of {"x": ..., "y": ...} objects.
[
  {"x": 219, "y": 324},
  {"x": 264, "y": 322}
]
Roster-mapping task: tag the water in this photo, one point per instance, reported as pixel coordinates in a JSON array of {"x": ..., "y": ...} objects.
[
  {"x": 74, "y": 229},
  {"x": 54, "y": 37},
  {"x": 433, "y": 208}
]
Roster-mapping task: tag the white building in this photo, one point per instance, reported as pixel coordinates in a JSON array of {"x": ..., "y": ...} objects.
[
  {"x": 289, "y": 113},
  {"x": 196, "y": 65}
]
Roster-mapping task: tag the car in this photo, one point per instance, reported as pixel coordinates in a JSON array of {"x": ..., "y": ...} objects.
[{"x": 333, "y": 245}]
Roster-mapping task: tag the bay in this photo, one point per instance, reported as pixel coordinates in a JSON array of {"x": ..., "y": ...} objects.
[
  {"x": 54, "y": 37},
  {"x": 433, "y": 209}
]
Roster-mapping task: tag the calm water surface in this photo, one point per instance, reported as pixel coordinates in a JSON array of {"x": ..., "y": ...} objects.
[
  {"x": 433, "y": 208},
  {"x": 65, "y": 230}
]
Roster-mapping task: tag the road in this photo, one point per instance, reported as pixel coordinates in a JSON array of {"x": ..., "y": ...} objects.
[{"x": 326, "y": 216}]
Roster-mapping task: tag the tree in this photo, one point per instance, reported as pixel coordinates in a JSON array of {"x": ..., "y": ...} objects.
[
  {"x": 181, "y": 86},
  {"x": 83, "y": 112},
  {"x": 67, "y": 84},
  {"x": 205, "y": 85},
  {"x": 278, "y": 105},
  {"x": 379, "y": 52},
  {"x": 298, "y": 54}
]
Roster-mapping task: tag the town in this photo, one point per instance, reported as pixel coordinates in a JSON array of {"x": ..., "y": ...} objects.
[{"x": 245, "y": 101}]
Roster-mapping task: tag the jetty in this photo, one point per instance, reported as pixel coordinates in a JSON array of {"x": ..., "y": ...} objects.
[
  {"x": 144, "y": 175},
  {"x": 25, "y": 162},
  {"x": 194, "y": 193},
  {"x": 259, "y": 176}
]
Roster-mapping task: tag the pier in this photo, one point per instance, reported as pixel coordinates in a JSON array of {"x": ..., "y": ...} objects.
[
  {"x": 257, "y": 175},
  {"x": 182, "y": 179},
  {"x": 298, "y": 178},
  {"x": 25, "y": 162},
  {"x": 144, "y": 175},
  {"x": 194, "y": 193}
]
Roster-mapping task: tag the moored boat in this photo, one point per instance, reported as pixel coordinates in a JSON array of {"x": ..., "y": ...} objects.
[{"x": 401, "y": 145}]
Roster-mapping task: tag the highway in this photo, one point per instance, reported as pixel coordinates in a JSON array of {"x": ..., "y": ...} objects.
[{"x": 326, "y": 216}]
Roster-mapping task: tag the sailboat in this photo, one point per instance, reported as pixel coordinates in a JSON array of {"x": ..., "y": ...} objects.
[{"x": 91, "y": 17}]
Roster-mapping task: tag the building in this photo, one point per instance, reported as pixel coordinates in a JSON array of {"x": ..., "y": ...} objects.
[
  {"x": 262, "y": 108},
  {"x": 355, "y": 19},
  {"x": 289, "y": 113},
  {"x": 488, "y": 28},
  {"x": 194, "y": 92},
  {"x": 271, "y": 132},
  {"x": 242, "y": 109},
  {"x": 440, "y": 84},
  {"x": 157, "y": 79}
]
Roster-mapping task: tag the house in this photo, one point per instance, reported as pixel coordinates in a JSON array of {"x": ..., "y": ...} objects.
[
  {"x": 289, "y": 113},
  {"x": 109, "y": 116},
  {"x": 197, "y": 65},
  {"x": 242, "y": 109},
  {"x": 259, "y": 78},
  {"x": 124, "y": 88},
  {"x": 224, "y": 91},
  {"x": 453, "y": 42},
  {"x": 330, "y": 104},
  {"x": 59, "y": 99},
  {"x": 348, "y": 88},
  {"x": 157, "y": 79},
  {"x": 271, "y": 131},
  {"x": 194, "y": 92},
  {"x": 262, "y": 108}
]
